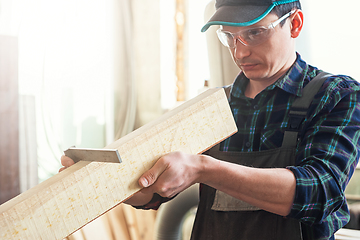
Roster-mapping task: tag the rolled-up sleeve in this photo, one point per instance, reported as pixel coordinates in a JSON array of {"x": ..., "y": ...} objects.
[{"x": 327, "y": 155}]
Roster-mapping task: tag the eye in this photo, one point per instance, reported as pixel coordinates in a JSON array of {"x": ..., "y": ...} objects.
[
  {"x": 229, "y": 39},
  {"x": 226, "y": 38},
  {"x": 255, "y": 33}
]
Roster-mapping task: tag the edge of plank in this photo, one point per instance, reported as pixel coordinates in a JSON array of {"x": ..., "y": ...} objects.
[{"x": 162, "y": 118}]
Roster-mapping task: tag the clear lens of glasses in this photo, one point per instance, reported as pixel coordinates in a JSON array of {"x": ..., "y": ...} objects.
[{"x": 249, "y": 37}]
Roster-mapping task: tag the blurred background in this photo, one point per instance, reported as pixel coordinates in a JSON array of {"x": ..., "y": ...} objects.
[{"x": 84, "y": 73}]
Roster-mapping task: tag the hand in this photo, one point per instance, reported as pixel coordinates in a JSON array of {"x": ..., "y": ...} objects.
[
  {"x": 172, "y": 174},
  {"x": 66, "y": 162}
]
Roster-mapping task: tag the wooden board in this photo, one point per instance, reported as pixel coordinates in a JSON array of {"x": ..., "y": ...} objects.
[{"x": 66, "y": 202}]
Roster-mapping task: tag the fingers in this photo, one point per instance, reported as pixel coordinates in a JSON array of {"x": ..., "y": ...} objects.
[
  {"x": 150, "y": 177},
  {"x": 66, "y": 161},
  {"x": 168, "y": 176},
  {"x": 139, "y": 199}
]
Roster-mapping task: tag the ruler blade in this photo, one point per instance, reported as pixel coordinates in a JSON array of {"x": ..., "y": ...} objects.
[{"x": 92, "y": 154}]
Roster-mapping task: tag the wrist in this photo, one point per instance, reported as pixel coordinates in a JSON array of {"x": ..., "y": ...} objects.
[{"x": 208, "y": 168}]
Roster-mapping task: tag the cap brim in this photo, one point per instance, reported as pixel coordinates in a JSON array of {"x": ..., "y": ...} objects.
[{"x": 238, "y": 16}]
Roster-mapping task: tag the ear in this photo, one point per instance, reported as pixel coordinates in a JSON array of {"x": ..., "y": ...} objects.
[{"x": 297, "y": 22}]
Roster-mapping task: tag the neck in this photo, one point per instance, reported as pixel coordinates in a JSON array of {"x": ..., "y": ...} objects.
[{"x": 255, "y": 87}]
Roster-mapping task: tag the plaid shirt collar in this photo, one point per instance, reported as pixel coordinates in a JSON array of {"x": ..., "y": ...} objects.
[{"x": 291, "y": 82}]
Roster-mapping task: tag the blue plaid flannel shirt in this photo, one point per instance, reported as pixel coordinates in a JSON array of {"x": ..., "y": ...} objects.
[{"x": 328, "y": 149}]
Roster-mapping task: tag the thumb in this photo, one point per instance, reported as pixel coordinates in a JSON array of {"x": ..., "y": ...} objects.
[{"x": 150, "y": 176}]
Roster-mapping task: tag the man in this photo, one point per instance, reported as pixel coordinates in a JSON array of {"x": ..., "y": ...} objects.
[{"x": 260, "y": 183}]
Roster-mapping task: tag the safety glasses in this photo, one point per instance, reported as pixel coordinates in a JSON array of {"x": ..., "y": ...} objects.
[{"x": 252, "y": 36}]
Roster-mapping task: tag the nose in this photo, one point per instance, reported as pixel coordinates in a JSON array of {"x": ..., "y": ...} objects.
[{"x": 240, "y": 50}]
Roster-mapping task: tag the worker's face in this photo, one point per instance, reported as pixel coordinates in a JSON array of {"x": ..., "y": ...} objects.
[{"x": 270, "y": 59}]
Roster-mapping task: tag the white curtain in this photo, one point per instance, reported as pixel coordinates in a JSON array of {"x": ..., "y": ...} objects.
[
  {"x": 89, "y": 73},
  {"x": 222, "y": 68},
  {"x": 137, "y": 84},
  {"x": 146, "y": 51},
  {"x": 92, "y": 69},
  {"x": 125, "y": 82}
]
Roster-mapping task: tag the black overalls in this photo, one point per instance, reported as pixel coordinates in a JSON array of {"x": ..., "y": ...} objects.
[{"x": 243, "y": 221}]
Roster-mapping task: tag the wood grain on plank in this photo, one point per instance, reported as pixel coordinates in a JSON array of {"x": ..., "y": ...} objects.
[{"x": 74, "y": 197}]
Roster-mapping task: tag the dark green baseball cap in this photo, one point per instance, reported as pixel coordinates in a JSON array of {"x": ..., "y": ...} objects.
[{"x": 242, "y": 13}]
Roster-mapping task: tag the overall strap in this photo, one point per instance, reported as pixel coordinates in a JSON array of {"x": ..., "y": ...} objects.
[
  {"x": 300, "y": 107},
  {"x": 227, "y": 90}
]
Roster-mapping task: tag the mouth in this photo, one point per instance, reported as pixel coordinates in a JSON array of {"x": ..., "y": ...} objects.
[{"x": 247, "y": 66}]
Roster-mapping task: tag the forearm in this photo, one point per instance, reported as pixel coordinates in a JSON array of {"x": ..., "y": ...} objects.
[{"x": 271, "y": 189}]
